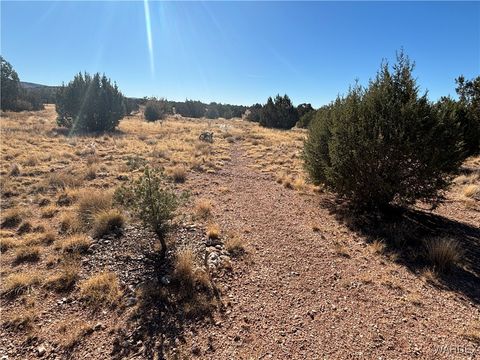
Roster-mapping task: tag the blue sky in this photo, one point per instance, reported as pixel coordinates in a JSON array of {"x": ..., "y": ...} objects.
[{"x": 240, "y": 52}]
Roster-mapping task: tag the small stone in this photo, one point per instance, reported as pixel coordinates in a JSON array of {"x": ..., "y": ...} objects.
[
  {"x": 98, "y": 326},
  {"x": 165, "y": 280},
  {"x": 41, "y": 350},
  {"x": 196, "y": 350},
  {"x": 130, "y": 301}
]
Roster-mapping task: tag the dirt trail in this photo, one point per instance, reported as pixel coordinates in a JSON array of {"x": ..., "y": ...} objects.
[{"x": 305, "y": 294}]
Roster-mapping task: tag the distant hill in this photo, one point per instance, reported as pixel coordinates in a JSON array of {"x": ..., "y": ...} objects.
[
  {"x": 29, "y": 85},
  {"x": 44, "y": 94}
]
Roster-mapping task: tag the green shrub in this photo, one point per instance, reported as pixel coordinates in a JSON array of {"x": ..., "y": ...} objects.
[
  {"x": 89, "y": 104},
  {"x": 253, "y": 113},
  {"x": 384, "y": 144},
  {"x": 10, "y": 86},
  {"x": 279, "y": 113},
  {"x": 468, "y": 107},
  {"x": 153, "y": 204},
  {"x": 306, "y": 119},
  {"x": 155, "y": 110}
]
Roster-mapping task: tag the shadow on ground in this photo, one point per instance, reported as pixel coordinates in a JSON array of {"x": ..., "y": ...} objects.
[
  {"x": 403, "y": 231},
  {"x": 166, "y": 309}
]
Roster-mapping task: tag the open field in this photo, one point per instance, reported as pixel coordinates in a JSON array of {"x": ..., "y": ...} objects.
[{"x": 262, "y": 264}]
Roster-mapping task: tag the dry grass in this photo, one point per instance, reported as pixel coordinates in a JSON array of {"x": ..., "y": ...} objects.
[
  {"x": 39, "y": 239},
  {"x": 203, "y": 208},
  {"x": 19, "y": 283},
  {"x": 467, "y": 179},
  {"x": 213, "y": 231},
  {"x": 12, "y": 218},
  {"x": 91, "y": 172},
  {"x": 178, "y": 174},
  {"x": 101, "y": 289},
  {"x": 70, "y": 223},
  {"x": 442, "y": 253},
  {"x": 64, "y": 279},
  {"x": 92, "y": 201},
  {"x": 472, "y": 333},
  {"x": 184, "y": 267},
  {"x": 73, "y": 333},
  {"x": 64, "y": 180},
  {"x": 77, "y": 244},
  {"x": 49, "y": 211},
  {"x": 107, "y": 221},
  {"x": 27, "y": 254},
  {"x": 7, "y": 244},
  {"x": 341, "y": 249},
  {"x": 234, "y": 245},
  {"x": 21, "y": 321},
  {"x": 377, "y": 247},
  {"x": 472, "y": 191},
  {"x": 191, "y": 278}
]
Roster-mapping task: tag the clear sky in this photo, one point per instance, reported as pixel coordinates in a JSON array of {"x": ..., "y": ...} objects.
[{"x": 240, "y": 52}]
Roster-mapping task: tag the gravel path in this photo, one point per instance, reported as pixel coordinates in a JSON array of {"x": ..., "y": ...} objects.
[{"x": 305, "y": 294}]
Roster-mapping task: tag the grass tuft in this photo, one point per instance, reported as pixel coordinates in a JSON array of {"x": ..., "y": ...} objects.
[
  {"x": 101, "y": 289},
  {"x": 77, "y": 244},
  {"x": 203, "y": 208},
  {"x": 442, "y": 253},
  {"x": 27, "y": 254},
  {"x": 234, "y": 245},
  {"x": 19, "y": 283},
  {"x": 178, "y": 174},
  {"x": 91, "y": 202},
  {"x": 107, "y": 221},
  {"x": 213, "y": 231},
  {"x": 12, "y": 218}
]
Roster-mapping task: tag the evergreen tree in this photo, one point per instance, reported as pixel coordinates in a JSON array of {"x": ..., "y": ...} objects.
[
  {"x": 279, "y": 113},
  {"x": 384, "y": 144},
  {"x": 90, "y": 104},
  {"x": 10, "y": 86},
  {"x": 156, "y": 109},
  {"x": 469, "y": 112}
]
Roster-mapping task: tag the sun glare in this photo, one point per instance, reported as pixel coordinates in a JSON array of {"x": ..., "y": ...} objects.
[{"x": 148, "y": 27}]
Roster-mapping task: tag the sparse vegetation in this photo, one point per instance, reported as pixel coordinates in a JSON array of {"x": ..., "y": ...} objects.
[
  {"x": 153, "y": 204},
  {"x": 442, "y": 253},
  {"x": 234, "y": 245},
  {"x": 91, "y": 202},
  {"x": 101, "y": 289},
  {"x": 77, "y": 244},
  {"x": 12, "y": 218},
  {"x": 179, "y": 174},
  {"x": 19, "y": 283},
  {"x": 27, "y": 254},
  {"x": 64, "y": 279},
  {"x": 203, "y": 208},
  {"x": 213, "y": 231},
  {"x": 107, "y": 221}
]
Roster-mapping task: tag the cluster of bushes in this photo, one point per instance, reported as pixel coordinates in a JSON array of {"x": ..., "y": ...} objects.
[
  {"x": 280, "y": 113},
  {"x": 90, "y": 104},
  {"x": 159, "y": 108},
  {"x": 156, "y": 109},
  {"x": 387, "y": 144},
  {"x": 14, "y": 96},
  {"x": 197, "y": 109}
]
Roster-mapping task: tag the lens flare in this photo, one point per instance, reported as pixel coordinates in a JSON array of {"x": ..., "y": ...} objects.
[{"x": 148, "y": 27}]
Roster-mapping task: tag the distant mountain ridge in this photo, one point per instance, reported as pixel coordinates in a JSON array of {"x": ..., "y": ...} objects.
[{"x": 29, "y": 85}]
